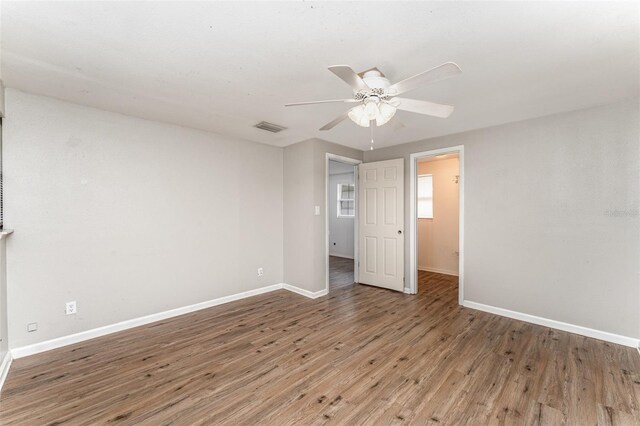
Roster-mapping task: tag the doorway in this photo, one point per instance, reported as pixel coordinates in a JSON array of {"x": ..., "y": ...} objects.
[
  {"x": 341, "y": 222},
  {"x": 437, "y": 218}
]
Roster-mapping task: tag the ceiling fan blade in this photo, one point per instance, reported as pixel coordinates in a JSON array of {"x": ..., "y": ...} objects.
[
  {"x": 321, "y": 102},
  {"x": 335, "y": 122},
  {"x": 424, "y": 107},
  {"x": 441, "y": 72},
  {"x": 349, "y": 76}
]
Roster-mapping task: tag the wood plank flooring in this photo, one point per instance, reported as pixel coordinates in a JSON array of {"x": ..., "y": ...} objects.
[
  {"x": 361, "y": 355},
  {"x": 340, "y": 272}
]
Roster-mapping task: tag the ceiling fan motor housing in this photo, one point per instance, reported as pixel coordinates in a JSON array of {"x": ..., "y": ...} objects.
[
  {"x": 375, "y": 80},
  {"x": 378, "y": 85}
]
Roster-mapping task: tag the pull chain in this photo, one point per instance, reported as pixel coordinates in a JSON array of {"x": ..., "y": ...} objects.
[{"x": 371, "y": 127}]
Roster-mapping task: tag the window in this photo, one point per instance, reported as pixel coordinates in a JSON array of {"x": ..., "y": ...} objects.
[
  {"x": 425, "y": 197},
  {"x": 346, "y": 200}
]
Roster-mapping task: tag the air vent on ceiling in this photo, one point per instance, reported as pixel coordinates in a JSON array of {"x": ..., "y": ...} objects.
[{"x": 269, "y": 127}]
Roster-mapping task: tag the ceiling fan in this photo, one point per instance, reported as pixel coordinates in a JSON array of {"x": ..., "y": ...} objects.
[{"x": 378, "y": 99}]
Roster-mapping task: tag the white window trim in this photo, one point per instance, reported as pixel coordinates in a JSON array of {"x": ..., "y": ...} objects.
[
  {"x": 339, "y": 199},
  {"x": 426, "y": 198}
]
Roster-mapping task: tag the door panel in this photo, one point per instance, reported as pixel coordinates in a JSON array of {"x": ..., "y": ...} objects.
[
  {"x": 390, "y": 206},
  {"x": 381, "y": 221},
  {"x": 370, "y": 202},
  {"x": 389, "y": 256},
  {"x": 370, "y": 249}
]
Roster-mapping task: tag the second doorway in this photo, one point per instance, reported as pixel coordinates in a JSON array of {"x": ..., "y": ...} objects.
[{"x": 341, "y": 220}]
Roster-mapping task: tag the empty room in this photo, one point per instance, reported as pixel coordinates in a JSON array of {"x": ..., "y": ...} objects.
[{"x": 296, "y": 213}]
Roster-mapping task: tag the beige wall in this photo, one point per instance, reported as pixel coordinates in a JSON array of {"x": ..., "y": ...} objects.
[
  {"x": 304, "y": 232},
  {"x": 438, "y": 237},
  {"x": 130, "y": 217},
  {"x": 551, "y": 215}
]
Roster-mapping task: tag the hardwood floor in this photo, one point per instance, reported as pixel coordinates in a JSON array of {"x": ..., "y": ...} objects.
[
  {"x": 361, "y": 355},
  {"x": 340, "y": 272}
]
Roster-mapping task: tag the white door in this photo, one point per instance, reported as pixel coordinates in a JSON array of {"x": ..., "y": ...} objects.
[{"x": 381, "y": 219}]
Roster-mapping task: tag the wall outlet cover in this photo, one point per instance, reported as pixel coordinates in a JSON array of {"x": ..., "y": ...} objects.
[{"x": 70, "y": 308}]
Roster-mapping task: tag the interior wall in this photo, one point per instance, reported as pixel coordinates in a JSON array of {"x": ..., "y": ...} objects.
[
  {"x": 438, "y": 237},
  {"x": 305, "y": 259},
  {"x": 4, "y": 330},
  {"x": 341, "y": 229},
  {"x": 299, "y": 219},
  {"x": 130, "y": 217},
  {"x": 551, "y": 215}
]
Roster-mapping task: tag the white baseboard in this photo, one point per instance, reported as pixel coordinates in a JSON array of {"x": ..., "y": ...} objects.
[
  {"x": 436, "y": 270},
  {"x": 307, "y": 293},
  {"x": 125, "y": 325},
  {"x": 4, "y": 368},
  {"x": 571, "y": 328}
]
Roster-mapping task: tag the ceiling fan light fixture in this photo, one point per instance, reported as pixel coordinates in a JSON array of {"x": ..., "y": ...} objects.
[
  {"x": 371, "y": 110},
  {"x": 386, "y": 113},
  {"x": 359, "y": 116}
]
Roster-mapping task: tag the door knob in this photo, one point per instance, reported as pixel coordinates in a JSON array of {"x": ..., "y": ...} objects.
[{"x": 399, "y": 232}]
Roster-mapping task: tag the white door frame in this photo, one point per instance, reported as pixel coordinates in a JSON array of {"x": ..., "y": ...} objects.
[
  {"x": 327, "y": 211},
  {"x": 413, "y": 221}
]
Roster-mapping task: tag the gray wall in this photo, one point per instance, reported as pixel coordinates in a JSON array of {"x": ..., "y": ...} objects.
[
  {"x": 551, "y": 215},
  {"x": 299, "y": 218},
  {"x": 4, "y": 331},
  {"x": 304, "y": 233},
  {"x": 130, "y": 217},
  {"x": 4, "y": 340}
]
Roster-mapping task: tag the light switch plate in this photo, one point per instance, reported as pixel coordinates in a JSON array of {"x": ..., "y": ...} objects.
[{"x": 317, "y": 210}]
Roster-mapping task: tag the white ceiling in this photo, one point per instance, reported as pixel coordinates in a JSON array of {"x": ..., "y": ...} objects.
[{"x": 224, "y": 67}]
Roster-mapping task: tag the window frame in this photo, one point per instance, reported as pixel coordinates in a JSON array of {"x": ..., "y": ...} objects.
[
  {"x": 419, "y": 199},
  {"x": 339, "y": 200}
]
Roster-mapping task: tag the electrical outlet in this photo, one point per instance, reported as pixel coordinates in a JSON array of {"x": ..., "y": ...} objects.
[
  {"x": 32, "y": 326},
  {"x": 260, "y": 272},
  {"x": 70, "y": 308}
]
